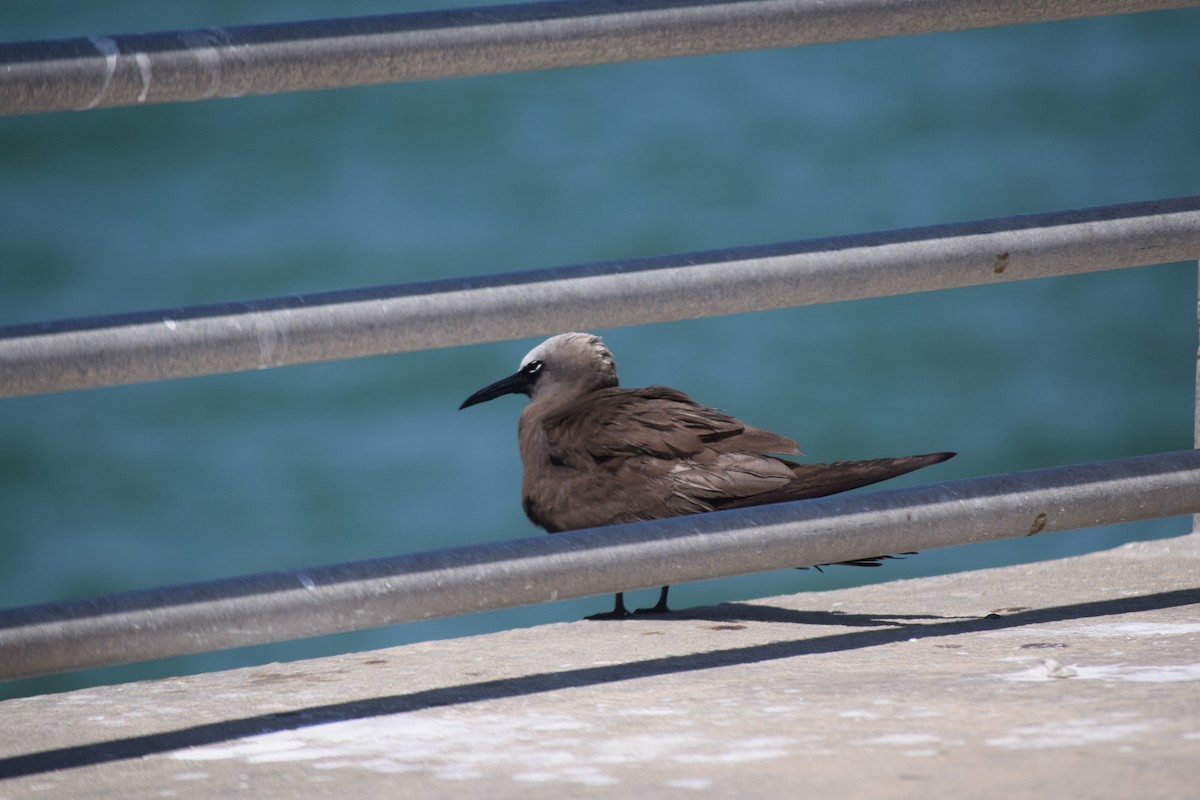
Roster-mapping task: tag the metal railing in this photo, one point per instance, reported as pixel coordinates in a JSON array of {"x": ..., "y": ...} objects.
[
  {"x": 170, "y": 343},
  {"x": 276, "y": 606},
  {"x": 201, "y": 340},
  {"x": 132, "y": 69}
]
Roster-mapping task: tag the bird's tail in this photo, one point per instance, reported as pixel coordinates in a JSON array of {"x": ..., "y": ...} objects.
[{"x": 819, "y": 480}]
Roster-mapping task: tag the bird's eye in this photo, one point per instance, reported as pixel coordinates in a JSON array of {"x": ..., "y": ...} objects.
[{"x": 532, "y": 368}]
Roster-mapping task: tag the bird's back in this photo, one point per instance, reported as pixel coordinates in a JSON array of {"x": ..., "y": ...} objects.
[{"x": 621, "y": 455}]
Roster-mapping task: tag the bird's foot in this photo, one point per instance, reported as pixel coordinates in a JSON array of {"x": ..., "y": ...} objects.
[
  {"x": 618, "y": 612},
  {"x": 658, "y": 608}
]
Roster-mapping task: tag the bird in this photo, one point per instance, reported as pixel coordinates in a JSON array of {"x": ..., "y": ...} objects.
[{"x": 595, "y": 453}]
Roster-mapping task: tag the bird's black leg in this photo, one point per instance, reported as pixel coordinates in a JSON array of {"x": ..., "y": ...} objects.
[
  {"x": 658, "y": 608},
  {"x": 618, "y": 611}
]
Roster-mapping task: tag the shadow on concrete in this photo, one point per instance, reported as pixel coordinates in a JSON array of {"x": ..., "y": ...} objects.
[
  {"x": 758, "y": 612},
  {"x": 897, "y": 629}
]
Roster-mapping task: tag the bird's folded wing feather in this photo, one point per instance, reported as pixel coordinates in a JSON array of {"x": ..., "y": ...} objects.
[
  {"x": 657, "y": 421},
  {"x": 694, "y": 455}
]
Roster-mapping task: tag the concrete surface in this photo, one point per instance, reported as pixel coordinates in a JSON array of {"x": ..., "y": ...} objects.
[{"x": 1074, "y": 678}]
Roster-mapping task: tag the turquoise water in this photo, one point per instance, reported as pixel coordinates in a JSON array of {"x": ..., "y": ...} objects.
[{"x": 141, "y": 208}]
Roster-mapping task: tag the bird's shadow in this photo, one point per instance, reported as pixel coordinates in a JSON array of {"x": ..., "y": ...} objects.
[
  {"x": 727, "y": 613},
  {"x": 876, "y": 629}
]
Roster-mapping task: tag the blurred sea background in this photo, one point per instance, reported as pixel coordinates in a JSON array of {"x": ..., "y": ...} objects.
[{"x": 141, "y": 208}]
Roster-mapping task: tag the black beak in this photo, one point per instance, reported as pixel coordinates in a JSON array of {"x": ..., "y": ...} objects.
[{"x": 520, "y": 383}]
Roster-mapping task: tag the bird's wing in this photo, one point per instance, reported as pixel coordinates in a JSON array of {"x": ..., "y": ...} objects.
[
  {"x": 716, "y": 478},
  {"x": 684, "y": 457},
  {"x": 654, "y": 421}
]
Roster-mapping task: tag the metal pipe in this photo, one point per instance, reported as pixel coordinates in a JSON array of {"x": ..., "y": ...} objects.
[
  {"x": 132, "y": 69},
  {"x": 203, "y": 340},
  {"x": 270, "y": 607},
  {"x": 1196, "y": 407}
]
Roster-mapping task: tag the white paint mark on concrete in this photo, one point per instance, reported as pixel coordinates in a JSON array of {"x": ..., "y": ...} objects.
[
  {"x": 1073, "y": 733},
  {"x": 695, "y": 784},
  {"x": 1045, "y": 670},
  {"x": 760, "y": 748},
  {"x": 649, "y": 712},
  {"x": 903, "y": 739},
  {"x": 1107, "y": 630},
  {"x": 453, "y": 746},
  {"x": 1050, "y": 669},
  {"x": 1167, "y": 674},
  {"x": 1139, "y": 629},
  {"x": 463, "y": 744},
  {"x": 641, "y": 748},
  {"x": 584, "y": 776},
  {"x": 922, "y": 713},
  {"x": 536, "y": 777},
  {"x": 460, "y": 774},
  {"x": 855, "y": 714}
]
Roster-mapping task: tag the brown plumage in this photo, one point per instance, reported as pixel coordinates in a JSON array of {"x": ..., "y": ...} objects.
[{"x": 595, "y": 454}]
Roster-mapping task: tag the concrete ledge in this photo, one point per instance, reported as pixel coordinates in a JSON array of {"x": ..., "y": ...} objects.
[{"x": 1073, "y": 678}]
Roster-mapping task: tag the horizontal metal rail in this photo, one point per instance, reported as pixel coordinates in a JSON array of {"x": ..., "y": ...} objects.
[
  {"x": 131, "y": 69},
  {"x": 277, "y": 606},
  {"x": 202, "y": 340}
]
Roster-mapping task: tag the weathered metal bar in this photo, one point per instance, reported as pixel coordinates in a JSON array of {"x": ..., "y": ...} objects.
[
  {"x": 201, "y": 340},
  {"x": 131, "y": 69},
  {"x": 270, "y": 607},
  {"x": 1196, "y": 412}
]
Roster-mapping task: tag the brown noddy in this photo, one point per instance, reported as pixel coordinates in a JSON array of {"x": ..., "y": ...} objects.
[{"x": 596, "y": 454}]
